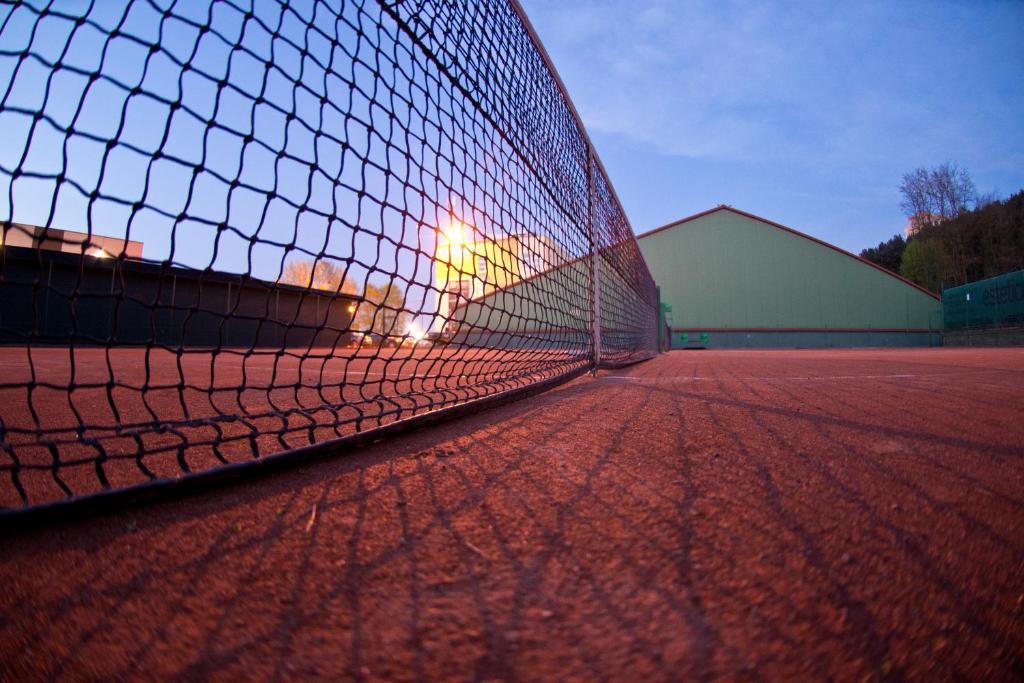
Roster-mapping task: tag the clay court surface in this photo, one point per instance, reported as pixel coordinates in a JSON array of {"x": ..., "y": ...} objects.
[
  {"x": 853, "y": 515},
  {"x": 124, "y": 416}
]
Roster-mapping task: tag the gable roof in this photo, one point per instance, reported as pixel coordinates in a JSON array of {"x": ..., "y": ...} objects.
[{"x": 723, "y": 207}]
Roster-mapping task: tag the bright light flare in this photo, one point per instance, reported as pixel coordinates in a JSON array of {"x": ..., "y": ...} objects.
[
  {"x": 454, "y": 234},
  {"x": 416, "y": 333}
]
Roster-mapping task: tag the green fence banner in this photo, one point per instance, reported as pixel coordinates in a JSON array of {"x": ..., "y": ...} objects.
[{"x": 995, "y": 302}]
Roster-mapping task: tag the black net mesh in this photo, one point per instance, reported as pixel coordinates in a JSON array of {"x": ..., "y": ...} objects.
[
  {"x": 231, "y": 230},
  {"x": 627, "y": 298}
]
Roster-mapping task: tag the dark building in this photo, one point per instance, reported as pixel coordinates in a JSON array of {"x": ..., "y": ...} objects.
[{"x": 57, "y": 296}]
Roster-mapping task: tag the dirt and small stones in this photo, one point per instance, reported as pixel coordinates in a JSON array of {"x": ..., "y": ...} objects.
[
  {"x": 615, "y": 585},
  {"x": 475, "y": 549}
]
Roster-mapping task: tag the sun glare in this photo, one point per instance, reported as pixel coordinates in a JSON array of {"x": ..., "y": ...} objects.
[
  {"x": 454, "y": 234},
  {"x": 416, "y": 333}
]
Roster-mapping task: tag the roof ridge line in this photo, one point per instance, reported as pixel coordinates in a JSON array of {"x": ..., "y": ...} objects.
[{"x": 780, "y": 226}]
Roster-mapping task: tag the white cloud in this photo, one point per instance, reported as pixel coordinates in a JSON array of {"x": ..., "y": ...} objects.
[{"x": 740, "y": 80}]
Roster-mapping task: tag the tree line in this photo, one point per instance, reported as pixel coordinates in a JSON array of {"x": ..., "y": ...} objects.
[
  {"x": 955, "y": 235},
  {"x": 382, "y": 309}
]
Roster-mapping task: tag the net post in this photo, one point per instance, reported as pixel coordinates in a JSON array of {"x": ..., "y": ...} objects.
[
  {"x": 659, "y": 319},
  {"x": 595, "y": 263}
]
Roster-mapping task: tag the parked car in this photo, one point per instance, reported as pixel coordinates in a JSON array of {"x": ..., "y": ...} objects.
[
  {"x": 436, "y": 338},
  {"x": 380, "y": 341}
]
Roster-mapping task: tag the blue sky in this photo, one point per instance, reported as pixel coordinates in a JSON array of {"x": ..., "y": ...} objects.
[
  {"x": 807, "y": 114},
  {"x": 804, "y": 113},
  {"x": 188, "y": 210}
]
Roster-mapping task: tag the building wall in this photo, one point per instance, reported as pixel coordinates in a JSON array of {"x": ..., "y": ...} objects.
[
  {"x": 548, "y": 309},
  {"x": 802, "y": 339},
  {"x": 728, "y": 273},
  {"x": 52, "y": 297},
  {"x": 467, "y": 270}
]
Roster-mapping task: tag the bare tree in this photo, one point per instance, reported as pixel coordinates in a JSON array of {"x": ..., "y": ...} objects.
[
  {"x": 930, "y": 196},
  {"x": 321, "y": 274},
  {"x": 986, "y": 199},
  {"x": 914, "y": 188},
  {"x": 383, "y": 311}
]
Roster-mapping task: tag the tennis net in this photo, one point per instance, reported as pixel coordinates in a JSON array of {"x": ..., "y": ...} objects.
[{"x": 236, "y": 230}]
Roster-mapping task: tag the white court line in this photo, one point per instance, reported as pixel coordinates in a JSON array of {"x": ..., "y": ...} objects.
[
  {"x": 826, "y": 378},
  {"x": 390, "y": 376}
]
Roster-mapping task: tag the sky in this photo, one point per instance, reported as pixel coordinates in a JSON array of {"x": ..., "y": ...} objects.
[
  {"x": 805, "y": 113},
  {"x": 239, "y": 142},
  {"x": 181, "y": 178}
]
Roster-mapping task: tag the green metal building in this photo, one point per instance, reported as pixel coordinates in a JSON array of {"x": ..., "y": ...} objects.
[{"x": 732, "y": 279}]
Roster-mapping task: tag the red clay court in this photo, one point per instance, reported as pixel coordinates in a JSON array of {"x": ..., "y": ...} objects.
[
  {"x": 134, "y": 414},
  {"x": 853, "y": 515}
]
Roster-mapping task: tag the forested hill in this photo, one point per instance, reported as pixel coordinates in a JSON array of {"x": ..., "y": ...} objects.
[
  {"x": 973, "y": 245},
  {"x": 982, "y": 243}
]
